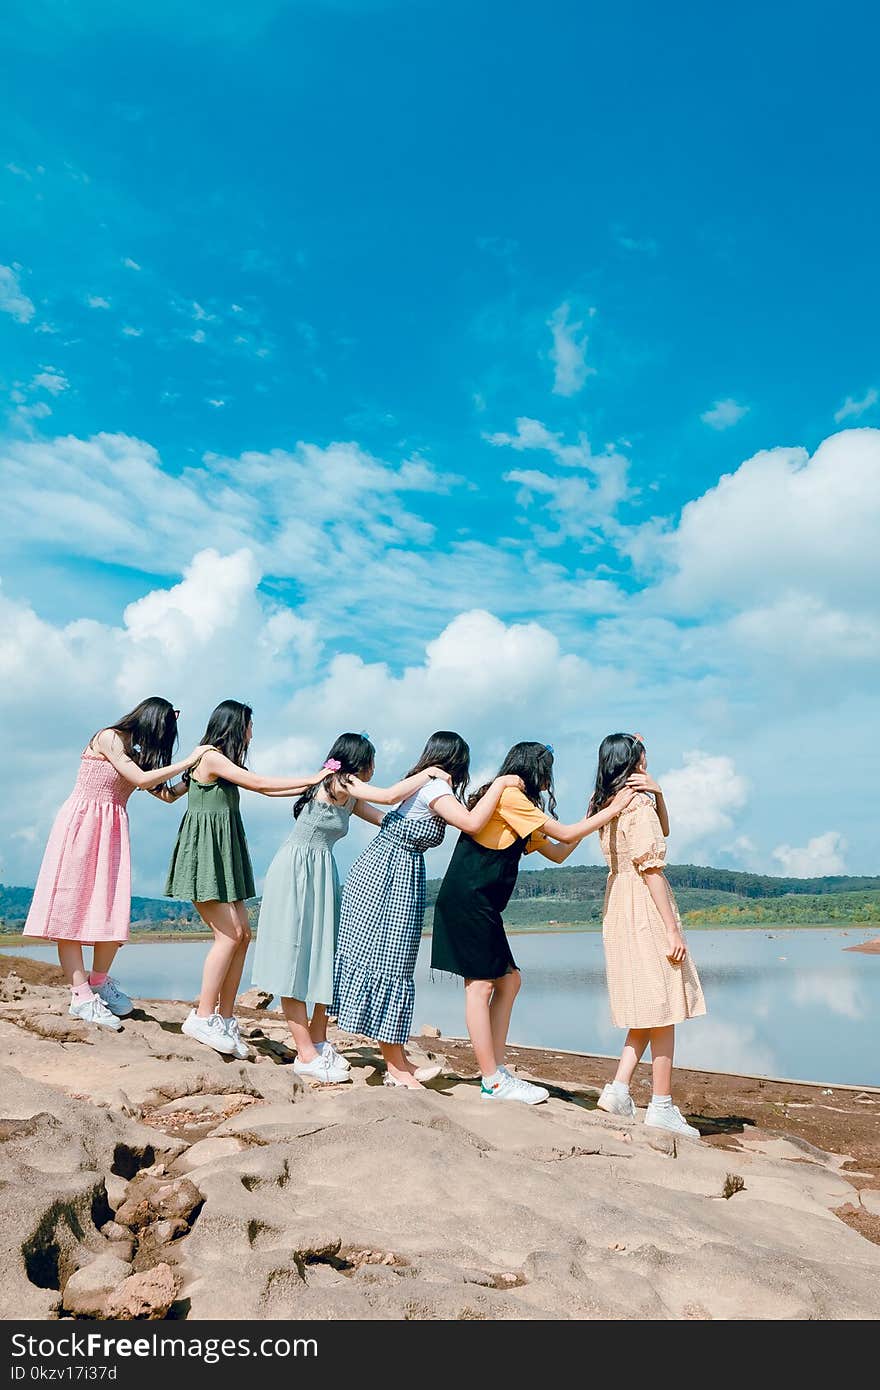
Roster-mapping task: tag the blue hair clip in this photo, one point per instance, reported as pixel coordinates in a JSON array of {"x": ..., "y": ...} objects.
[
  {"x": 549, "y": 747},
  {"x": 363, "y": 735}
]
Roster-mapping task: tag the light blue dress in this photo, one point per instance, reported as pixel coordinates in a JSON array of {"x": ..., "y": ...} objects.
[{"x": 299, "y": 914}]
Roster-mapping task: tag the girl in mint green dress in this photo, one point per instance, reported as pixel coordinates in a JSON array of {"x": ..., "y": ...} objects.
[
  {"x": 299, "y": 912},
  {"x": 211, "y": 866}
]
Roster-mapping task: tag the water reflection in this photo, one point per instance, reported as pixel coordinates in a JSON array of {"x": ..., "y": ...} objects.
[{"x": 785, "y": 1006}]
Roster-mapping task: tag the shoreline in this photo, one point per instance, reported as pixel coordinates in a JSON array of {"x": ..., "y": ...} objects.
[{"x": 164, "y": 938}]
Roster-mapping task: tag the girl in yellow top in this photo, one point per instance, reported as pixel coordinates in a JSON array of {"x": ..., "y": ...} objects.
[{"x": 469, "y": 937}]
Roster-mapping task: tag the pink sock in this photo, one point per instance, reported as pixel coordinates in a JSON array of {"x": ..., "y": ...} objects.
[
  {"x": 97, "y": 978},
  {"x": 81, "y": 992}
]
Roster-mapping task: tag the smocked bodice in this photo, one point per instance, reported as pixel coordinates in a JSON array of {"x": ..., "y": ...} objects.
[
  {"x": 98, "y": 780},
  {"x": 210, "y": 797},
  {"x": 320, "y": 824}
]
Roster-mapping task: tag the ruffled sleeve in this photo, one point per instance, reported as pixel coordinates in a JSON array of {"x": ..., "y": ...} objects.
[{"x": 644, "y": 838}]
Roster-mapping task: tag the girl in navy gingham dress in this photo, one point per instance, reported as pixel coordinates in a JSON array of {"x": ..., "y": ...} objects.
[{"x": 383, "y": 904}]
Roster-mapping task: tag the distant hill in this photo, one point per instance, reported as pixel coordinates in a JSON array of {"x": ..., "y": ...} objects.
[{"x": 706, "y": 897}]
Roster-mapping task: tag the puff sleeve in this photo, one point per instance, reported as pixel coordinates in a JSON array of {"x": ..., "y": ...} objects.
[{"x": 644, "y": 838}]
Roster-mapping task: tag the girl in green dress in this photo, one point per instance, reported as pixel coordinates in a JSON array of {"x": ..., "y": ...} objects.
[{"x": 211, "y": 866}]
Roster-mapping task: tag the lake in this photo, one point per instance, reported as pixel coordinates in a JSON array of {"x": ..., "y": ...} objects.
[{"x": 789, "y": 1003}]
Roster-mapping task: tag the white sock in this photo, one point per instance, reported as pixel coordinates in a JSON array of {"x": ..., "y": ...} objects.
[
  {"x": 620, "y": 1088},
  {"x": 662, "y": 1101},
  {"x": 494, "y": 1080}
]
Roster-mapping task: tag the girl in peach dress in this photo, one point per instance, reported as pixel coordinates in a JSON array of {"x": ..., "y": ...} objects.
[
  {"x": 652, "y": 980},
  {"x": 83, "y": 891}
]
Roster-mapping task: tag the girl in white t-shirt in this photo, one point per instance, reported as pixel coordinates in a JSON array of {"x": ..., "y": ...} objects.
[{"x": 383, "y": 904}]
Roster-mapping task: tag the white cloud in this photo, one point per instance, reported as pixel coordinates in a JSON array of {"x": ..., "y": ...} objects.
[
  {"x": 822, "y": 855},
  {"x": 852, "y": 409},
  {"x": 97, "y": 301},
  {"x": 724, "y": 414},
  {"x": 568, "y": 353},
  {"x": 13, "y": 299},
  {"x": 130, "y": 264},
  {"x": 198, "y": 336},
  {"x": 646, "y": 245},
  {"x": 215, "y": 401},
  {"x": 785, "y": 540},
  {"x": 130, "y": 332},
  {"x": 576, "y": 506},
  {"x": 703, "y": 797},
  {"x": 51, "y": 380}
]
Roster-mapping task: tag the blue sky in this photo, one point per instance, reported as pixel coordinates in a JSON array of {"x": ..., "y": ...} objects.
[{"x": 235, "y": 237}]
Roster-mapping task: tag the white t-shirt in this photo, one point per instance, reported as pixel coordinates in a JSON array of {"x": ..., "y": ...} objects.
[{"x": 418, "y": 806}]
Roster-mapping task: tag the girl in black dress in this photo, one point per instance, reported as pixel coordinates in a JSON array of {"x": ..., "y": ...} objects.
[{"x": 469, "y": 938}]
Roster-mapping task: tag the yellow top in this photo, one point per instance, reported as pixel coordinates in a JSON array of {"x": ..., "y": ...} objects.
[{"x": 514, "y": 818}]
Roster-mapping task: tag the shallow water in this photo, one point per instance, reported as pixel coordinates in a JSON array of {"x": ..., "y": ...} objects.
[{"x": 791, "y": 1004}]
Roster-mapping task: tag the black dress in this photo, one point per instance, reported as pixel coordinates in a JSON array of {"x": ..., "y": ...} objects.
[{"x": 469, "y": 937}]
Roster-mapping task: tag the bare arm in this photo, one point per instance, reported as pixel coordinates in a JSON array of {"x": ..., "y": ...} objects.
[
  {"x": 218, "y": 765},
  {"x": 364, "y": 811},
  {"x": 475, "y": 820},
  {"x": 659, "y": 890},
  {"x": 643, "y": 782},
  {"x": 573, "y": 834},
  {"x": 553, "y": 850},
  {"x": 389, "y": 796},
  {"x": 171, "y": 794},
  {"x": 110, "y": 744}
]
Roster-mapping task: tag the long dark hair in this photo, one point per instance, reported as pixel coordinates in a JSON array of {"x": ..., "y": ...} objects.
[
  {"x": 150, "y": 730},
  {"x": 619, "y": 756},
  {"x": 533, "y": 762},
  {"x": 449, "y": 751},
  {"x": 227, "y": 730},
  {"x": 356, "y": 757}
]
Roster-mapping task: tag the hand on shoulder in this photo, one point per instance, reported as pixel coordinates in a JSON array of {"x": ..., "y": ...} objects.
[
  {"x": 434, "y": 773},
  {"x": 511, "y": 782},
  {"x": 644, "y": 782}
]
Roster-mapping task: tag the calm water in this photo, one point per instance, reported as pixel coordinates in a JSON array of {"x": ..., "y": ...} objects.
[{"x": 793, "y": 1004}]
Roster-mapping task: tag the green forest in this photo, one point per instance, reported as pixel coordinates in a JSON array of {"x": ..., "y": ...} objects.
[{"x": 572, "y": 897}]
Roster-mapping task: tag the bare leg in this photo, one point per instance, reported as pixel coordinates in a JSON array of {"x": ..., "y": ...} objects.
[
  {"x": 232, "y": 979},
  {"x": 637, "y": 1040},
  {"x": 70, "y": 958},
  {"x": 318, "y": 1025},
  {"x": 297, "y": 1017},
  {"x": 662, "y": 1052},
  {"x": 103, "y": 955},
  {"x": 500, "y": 1009},
  {"x": 399, "y": 1066},
  {"x": 225, "y": 922},
  {"x": 478, "y": 1018}
]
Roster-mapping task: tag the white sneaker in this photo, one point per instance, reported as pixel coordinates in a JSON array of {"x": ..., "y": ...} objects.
[
  {"x": 512, "y": 1088},
  {"x": 670, "y": 1117},
  {"x": 329, "y": 1053},
  {"x": 319, "y": 1069},
  {"x": 616, "y": 1104},
  {"x": 211, "y": 1031},
  {"x": 242, "y": 1051},
  {"x": 94, "y": 1010},
  {"x": 116, "y": 999}
]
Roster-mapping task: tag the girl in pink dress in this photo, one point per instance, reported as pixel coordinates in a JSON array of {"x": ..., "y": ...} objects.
[{"x": 83, "y": 892}]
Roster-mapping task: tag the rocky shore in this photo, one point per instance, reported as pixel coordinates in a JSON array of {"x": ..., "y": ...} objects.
[{"x": 144, "y": 1176}]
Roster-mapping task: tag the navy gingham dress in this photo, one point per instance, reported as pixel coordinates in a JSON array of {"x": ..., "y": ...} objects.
[{"x": 380, "y": 924}]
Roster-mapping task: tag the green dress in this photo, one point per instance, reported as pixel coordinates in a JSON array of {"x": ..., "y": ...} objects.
[{"x": 210, "y": 862}]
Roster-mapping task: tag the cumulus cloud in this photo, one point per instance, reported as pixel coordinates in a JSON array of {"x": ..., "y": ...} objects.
[
  {"x": 703, "y": 796},
  {"x": 783, "y": 525},
  {"x": 13, "y": 299},
  {"x": 568, "y": 353},
  {"x": 822, "y": 855},
  {"x": 97, "y": 301},
  {"x": 852, "y": 409},
  {"x": 724, "y": 414}
]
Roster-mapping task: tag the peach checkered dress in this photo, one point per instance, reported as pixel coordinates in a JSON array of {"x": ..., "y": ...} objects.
[{"x": 645, "y": 989}]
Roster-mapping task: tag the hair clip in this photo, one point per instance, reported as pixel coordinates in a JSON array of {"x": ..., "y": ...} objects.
[
  {"x": 637, "y": 737},
  {"x": 333, "y": 765},
  {"x": 549, "y": 747},
  {"x": 363, "y": 735}
]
